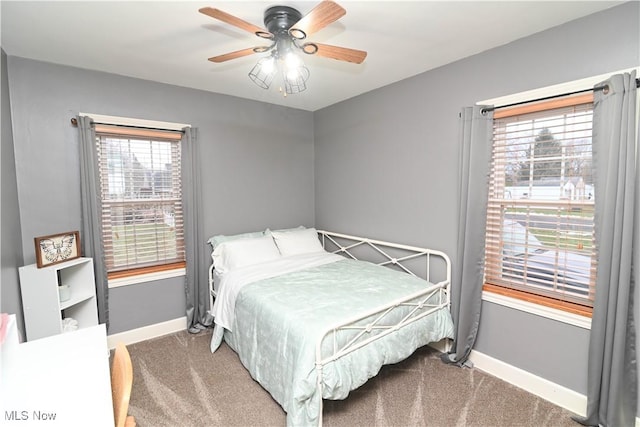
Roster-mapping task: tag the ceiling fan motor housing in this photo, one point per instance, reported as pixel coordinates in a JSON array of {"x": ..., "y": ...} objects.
[{"x": 278, "y": 19}]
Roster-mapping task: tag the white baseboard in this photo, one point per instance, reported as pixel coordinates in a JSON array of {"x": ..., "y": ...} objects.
[
  {"x": 554, "y": 393},
  {"x": 147, "y": 332}
]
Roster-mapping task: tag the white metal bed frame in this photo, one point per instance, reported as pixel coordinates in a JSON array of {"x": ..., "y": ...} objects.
[{"x": 376, "y": 329}]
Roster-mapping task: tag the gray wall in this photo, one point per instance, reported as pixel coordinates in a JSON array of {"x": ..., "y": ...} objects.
[
  {"x": 11, "y": 256},
  {"x": 387, "y": 163},
  {"x": 255, "y": 158}
]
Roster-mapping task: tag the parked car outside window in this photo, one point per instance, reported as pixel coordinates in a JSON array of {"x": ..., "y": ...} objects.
[{"x": 525, "y": 256}]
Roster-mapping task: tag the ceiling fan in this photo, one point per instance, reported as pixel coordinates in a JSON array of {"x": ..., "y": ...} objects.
[{"x": 287, "y": 30}]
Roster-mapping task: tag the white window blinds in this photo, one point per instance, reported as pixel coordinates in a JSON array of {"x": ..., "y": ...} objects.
[
  {"x": 140, "y": 185},
  {"x": 540, "y": 229}
]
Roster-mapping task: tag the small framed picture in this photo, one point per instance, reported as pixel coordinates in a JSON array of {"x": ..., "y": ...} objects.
[{"x": 57, "y": 248}]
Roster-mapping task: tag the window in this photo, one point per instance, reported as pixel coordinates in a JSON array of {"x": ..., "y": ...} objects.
[
  {"x": 540, "y": 230},
  {"x": 140, "y": 187}
]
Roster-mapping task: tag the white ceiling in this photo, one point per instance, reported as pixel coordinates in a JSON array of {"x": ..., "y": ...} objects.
[{"x": 170, "y": 42}]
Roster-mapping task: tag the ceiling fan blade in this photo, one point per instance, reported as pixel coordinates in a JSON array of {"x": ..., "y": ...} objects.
[
  {"x": 335, "y": 52},
  {"x": 234, "y": 55},
  {"x": 322, "y": 15},
  {"x": 235, "y": 21}
]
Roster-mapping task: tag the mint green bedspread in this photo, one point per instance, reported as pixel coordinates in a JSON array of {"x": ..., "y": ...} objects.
[{"x": 278, "y": 321}]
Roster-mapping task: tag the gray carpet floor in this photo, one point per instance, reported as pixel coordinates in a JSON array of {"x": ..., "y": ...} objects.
[{"x": 179, "y": 382}]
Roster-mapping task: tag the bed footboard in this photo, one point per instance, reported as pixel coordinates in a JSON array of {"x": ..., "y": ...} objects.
[{"x": 371, "y": 326}]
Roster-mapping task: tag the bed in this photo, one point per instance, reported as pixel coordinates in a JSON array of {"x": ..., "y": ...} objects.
[{"x": 311, "y": 320}]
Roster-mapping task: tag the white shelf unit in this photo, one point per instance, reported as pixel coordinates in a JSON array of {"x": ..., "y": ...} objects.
[{"x": 43, "y": 310}]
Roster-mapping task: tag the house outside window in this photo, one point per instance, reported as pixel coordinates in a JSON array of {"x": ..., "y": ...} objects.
[
  {"x": 540, "y": 230},
  {"x": 141, "y": 196}
]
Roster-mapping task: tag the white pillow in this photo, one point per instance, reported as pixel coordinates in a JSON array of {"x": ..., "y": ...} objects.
[
  {"x": 234, "y": 254},
  {"x": 296, "y": 242},
  {"x": 285, "y": 230},
  {"x": 221, "y": 238}
]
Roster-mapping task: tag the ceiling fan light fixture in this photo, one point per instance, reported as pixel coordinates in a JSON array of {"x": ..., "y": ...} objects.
[
  {"x": 263, "y": 72},
  {"x": 295, "y": 79},
  {"x": 291, "y": 61}
]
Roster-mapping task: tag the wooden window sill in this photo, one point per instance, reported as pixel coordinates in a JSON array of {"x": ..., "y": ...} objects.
[
  {"x": 523, "y": 301},
  {"x": 570, "y": 307},
  {"x": 145, "y": 270},
  {"x": 148, "y": 274}
]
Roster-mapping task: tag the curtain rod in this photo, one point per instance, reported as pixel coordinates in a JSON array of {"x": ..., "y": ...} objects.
[
  {"x": 595, "y": 89},
  {"x": 74, "y": 122}
]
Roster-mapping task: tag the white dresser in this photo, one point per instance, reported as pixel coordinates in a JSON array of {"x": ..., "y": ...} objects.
[{"x": 61, "y": 380}]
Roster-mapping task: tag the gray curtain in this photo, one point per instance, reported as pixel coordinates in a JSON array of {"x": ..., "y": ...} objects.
[
  {"x": 91, "y": 231},
  {"x": 196, "y": 280},
  {"x": 476, "y": 129},
  {"x": 612, "y": 377}
]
